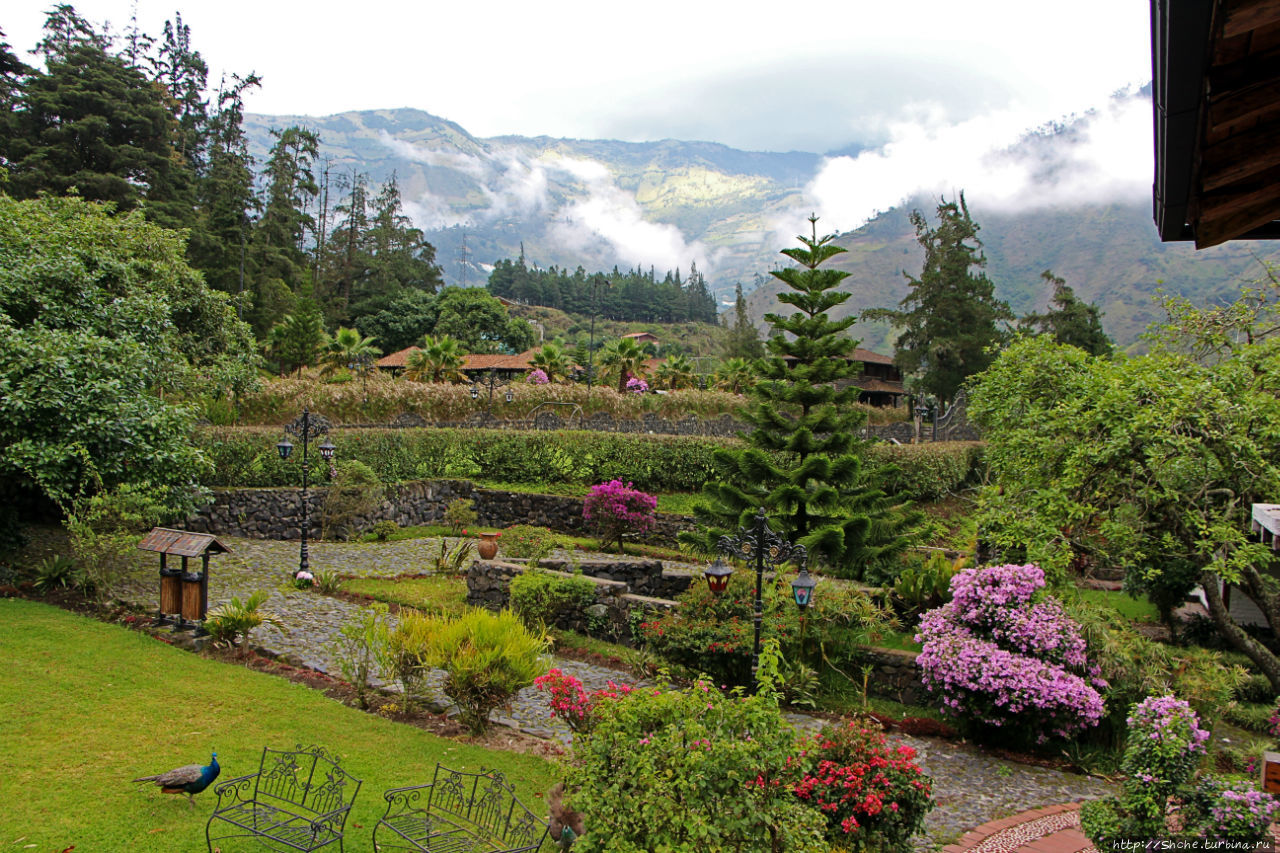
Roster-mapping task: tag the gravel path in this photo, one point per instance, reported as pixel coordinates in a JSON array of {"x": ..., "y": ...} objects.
[{"x": 971, "y": 787}]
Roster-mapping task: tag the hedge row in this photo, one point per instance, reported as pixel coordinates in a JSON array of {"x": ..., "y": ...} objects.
[
  {"x": 245, "y": 457},
  {"x": 927, "y": 472}
]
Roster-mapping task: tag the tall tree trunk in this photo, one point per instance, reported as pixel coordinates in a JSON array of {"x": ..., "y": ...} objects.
[{"x": 1267, "y": 662}]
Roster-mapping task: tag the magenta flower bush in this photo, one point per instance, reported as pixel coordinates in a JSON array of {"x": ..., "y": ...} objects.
[
  {"x": 1241, "y": 814},
  {"x": 615, "y": 509},
  {"x": 635, "y": 385},
  {"x": 1002, "y": 653},
  {"x": 537, "y": 376}
]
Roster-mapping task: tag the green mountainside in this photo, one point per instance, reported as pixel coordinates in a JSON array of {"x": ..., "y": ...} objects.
[{"x": 601, "y": 203}]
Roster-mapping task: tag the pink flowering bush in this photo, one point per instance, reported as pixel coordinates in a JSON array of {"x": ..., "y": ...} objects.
[
  {"x": 1241, "y": 814},
  {"x": 615, "y": 509},
  {"x": 636, "y": 385},
  {"x": 570, "y": 701},
  {"x": 1003, "y": 654},
  {"x": 537, "y": 376}
]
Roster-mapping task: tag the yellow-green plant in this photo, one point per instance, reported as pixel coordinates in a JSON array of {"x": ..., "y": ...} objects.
[
  {"x": 401, "y": 655},
  {"x": 356, "y": 647},
  {"x": 487, "y": 657}
]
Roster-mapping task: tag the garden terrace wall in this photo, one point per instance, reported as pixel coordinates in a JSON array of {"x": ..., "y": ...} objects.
[
  {"x": 609, "y": 617},
  {"x": 277, "y": 513},
  {"x": 894, "y": 674}
]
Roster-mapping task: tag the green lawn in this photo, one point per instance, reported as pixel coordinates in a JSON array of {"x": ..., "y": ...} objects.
[
  {"x": 1133, "y": 609},
  {"x": 442, "y": 594},
  {"x": 86, "y": 706}
]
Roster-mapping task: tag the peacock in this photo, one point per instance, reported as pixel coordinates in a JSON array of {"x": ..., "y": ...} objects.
[{"x": 191, "y": 779}]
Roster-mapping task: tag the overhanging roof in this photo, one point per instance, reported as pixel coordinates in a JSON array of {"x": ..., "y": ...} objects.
[{"x": 1216, "y": 102}]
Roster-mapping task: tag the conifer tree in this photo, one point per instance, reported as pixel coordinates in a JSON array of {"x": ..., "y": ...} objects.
[
  {"x": 804, "y": 463},
  {"x": 950, "y": 317},
  {"x": 743, "y": 340},
  {"x": 1069, "y": 320}
]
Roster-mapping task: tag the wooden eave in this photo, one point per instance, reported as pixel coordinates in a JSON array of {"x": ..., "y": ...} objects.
[{"x": 1216, "y": 103}]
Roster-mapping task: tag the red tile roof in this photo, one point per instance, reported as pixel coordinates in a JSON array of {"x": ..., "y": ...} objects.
[{"x": 396, "y": 359}]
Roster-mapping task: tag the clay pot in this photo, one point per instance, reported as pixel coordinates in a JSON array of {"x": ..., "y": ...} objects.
[{"x": 488, "y": 546}]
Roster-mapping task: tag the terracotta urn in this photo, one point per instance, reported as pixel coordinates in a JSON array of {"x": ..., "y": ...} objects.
[{"x": 488, "y": 546}]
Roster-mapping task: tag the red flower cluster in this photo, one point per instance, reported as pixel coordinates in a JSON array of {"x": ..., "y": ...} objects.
[
  {"x": 866, "y": 789},
  {"x": 571, "y": 703}
]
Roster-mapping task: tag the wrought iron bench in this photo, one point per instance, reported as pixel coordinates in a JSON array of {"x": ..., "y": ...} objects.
[
  {"x": 462, "y": 812},
  {"x": 297, "y": 800}
]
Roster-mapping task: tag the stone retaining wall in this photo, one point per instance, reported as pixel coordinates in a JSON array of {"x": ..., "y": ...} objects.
[
  {"x": 277, "y": 513},
  {"x": 895, "y": 676},
  {"x": 608, "y": 617},
  {"x": 642, "y": 577}
]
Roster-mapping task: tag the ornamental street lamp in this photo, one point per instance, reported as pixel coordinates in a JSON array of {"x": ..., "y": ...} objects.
[
  {"x": 767, "y": 549},
  {"x": 491, "y": 382},
  {"x": 307, "y": 428}
]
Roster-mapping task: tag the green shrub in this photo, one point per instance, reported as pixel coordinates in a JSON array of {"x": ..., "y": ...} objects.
[
  {"x": 454, "y": 561},
  {"x": 528, "y": 542},
  {"x": 238, "y": 618},
  {"x": 384, "y": 530},
  {"x": 926, "y": 585},
  {"x": 246, "y": 456},
  {"x": 327, "y": 582},
  {"x": 355, "y": 492},
  {"x": 486, "y": 657},
  {"x": 538, "y": 597},
  {"x": 357, "y": 645},
  {"x": 105, "y": 530},
  {"x": 459, "y": 515},
  {"x": 690, "y": 770},
  {"x": 58, "y": 572},
  {"x": 713, "y": 634},
  {"x": 926, "y": 472}
]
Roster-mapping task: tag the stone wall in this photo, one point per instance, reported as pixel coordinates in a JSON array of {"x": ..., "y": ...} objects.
[
  {"x": 895, "y": 676},
  {"x": 277, "y": 513},
  {"x": 609, "y": 617},
  {"x": 642, "y": 577}
]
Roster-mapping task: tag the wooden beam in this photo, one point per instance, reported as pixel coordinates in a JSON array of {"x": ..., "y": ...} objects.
[
  {"x": 1229, "y": 77},
  {"x": 1243, "y": 16},
  {"x": 1240, "y": 106},
  {"x": 1240, "y": 156},
  {"x": 1228, "y": 213}
]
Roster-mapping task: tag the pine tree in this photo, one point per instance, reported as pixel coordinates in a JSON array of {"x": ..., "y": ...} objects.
[
  {"x": 950, "y": 318},
  {"x": 804, "y": 464},
  {"x": 743, "y": 340},
  {"x": 1069, "y": 320}
]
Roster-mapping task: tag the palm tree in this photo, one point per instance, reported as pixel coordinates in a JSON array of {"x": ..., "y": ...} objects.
[
  {"x": 676, "y": 372},
  {"x": 625, "y": 358},
  {"x": 348, "y": 347},
  {"x": 553, "y": 361},
  {"x": 439, "y": 360},
  {"x": 735, "y": 375}
]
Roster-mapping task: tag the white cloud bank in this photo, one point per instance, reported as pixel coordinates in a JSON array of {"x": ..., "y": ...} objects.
[
  {"x": 606, "y": 223},
  {"x": 1102, "y": 156}
]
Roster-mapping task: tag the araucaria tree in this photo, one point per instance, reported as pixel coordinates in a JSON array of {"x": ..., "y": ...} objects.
[
  {"x": 950, "y": 318},
  {"x": 804, "y": 463}
]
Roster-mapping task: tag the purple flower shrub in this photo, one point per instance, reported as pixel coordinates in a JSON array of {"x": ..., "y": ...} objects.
[
  {"x": 1002, "y": 653},
  {"x": 1164, "y": 744},
  {"x": 538, "y": 376},
  {"x": 1241, "y": 815},
  {"x": 614, "y": 509},
  {"x": 635, "y": 385},
  {"x": 1164, "y": 796}
]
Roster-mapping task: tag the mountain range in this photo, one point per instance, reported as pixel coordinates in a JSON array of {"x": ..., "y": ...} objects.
[{"x": 667, "y": 204}]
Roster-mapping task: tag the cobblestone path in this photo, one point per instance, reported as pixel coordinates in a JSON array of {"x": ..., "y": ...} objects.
[{"x": 971, "y": 787}]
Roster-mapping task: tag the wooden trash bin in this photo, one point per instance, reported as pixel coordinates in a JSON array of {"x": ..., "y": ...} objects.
[
  {"x": 184, "y": 594},
  {"x": 170, "y": 591}
]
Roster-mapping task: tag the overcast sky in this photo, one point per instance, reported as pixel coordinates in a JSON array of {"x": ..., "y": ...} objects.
[{"x": 758, "y": 75}]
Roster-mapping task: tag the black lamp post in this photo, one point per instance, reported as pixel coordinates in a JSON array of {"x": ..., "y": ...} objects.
[
  {"x": 491, "y": 382},
  {"x": 307, "y": 429},
  {"x": 767, "y": 549}
]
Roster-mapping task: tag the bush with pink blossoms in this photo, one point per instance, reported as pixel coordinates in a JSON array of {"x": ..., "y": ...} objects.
[
  {"x": 636, "y": 385},
  {"x": 537, "y": 376},
  {"x": 1003, "y": 654},
  {"x": 572, "y": 703},
  {"x": 615, "y": 509}
]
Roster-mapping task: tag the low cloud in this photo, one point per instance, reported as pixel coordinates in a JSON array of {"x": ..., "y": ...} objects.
[
  {"x": 580, "y": 205},
  {"x": 1102, "y": 156}
]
